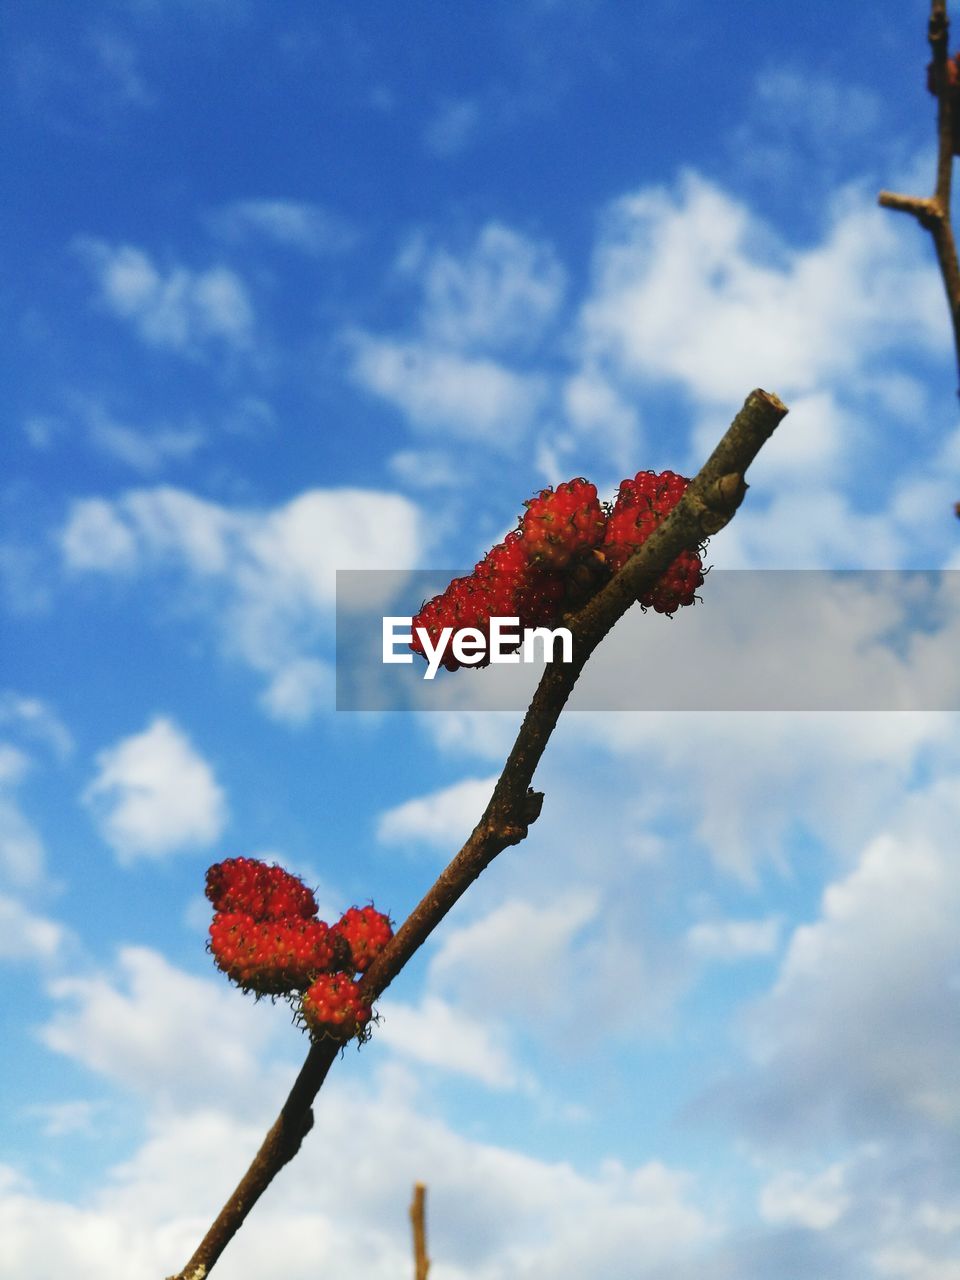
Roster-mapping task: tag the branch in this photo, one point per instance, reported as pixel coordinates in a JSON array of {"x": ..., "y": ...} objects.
[
  {"x": 933, "y": 212},
  {"x": 421, "y": 1263},
  {"x": 708, "y": 504}
]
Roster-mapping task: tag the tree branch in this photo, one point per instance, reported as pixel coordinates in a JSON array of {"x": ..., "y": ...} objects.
[
  {"x": 708, "y": 504},
  {"x": 933, "y": 212},
  {"x": 418, "y": 1220}
]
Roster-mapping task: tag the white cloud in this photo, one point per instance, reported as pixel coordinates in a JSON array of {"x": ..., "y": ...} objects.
[
  {"x": 439, "y": 1035},
  {"x": 856, "y": 1037},
  {"x": 25, "y": 936},
  {"x": 59, "y": 1118},
  {"x": 598, "y": 412},
  {"x": 518, "y": 959},
  {"x": 22, "y": 853},
  {"x": 690, "y": 287},
  {"x": 493, "y": 1213},
  {"x": 442, "y": 819},
  {"x": 815, "y": 1201},
  {"x": 179, "y": 1041},
  {"x": 818, "y": 529},
  {"x": 480, "y": 308},
  {"x": 155, "y": 795},
  {"x": 268, "y": 577},
  {"x": 179, "y": 309},
  {"x": 498, "y": 295},
  {"x": 97, "y": 538},
  {"x": 724, "y": 774},
  {"x": 296, "y": 224},
  {"x": 796, "y": 114},
  {"x": 299, "y": 691},
  {"x": 734, "y": 939},
  {"x": 298, "y": 546},
  {"x": 907, "y": 1262},
  {"x": 143, "y": 449},
  {"x": 447, "y": 393},
  {"x": 13, "y": 765},
  {"x": 816, "y": 104},
  {"x": 36, "y": 719},
  {"x": 808, "y": 444},
  {"x": 425, "y": 469}
]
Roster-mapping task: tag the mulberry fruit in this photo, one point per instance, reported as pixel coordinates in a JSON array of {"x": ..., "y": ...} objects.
[
  {"x": 366, "y": 932},
  {"x": 333, "y": 1006},
  {"x": 272, "y": 957},
  {"x": 258, "y": 890},
  {"x": 641, "y": 504},
  {"x": 563, "y": 523}
]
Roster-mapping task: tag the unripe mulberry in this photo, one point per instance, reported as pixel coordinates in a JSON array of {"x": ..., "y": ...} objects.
[
  {"x": 366, "y": 932},
  {"x": 641, "y": 505},
  {"x": 273, "y": 957},
  {"x": 258, "y": 890},
  {"x": 332, "y": 1006}
]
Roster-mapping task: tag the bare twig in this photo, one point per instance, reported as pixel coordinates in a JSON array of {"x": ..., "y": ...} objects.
[
  {"x": 418, "y": 1220},
  {"x": 709, "y": 503},
  {"x": 933, "y": 212}
]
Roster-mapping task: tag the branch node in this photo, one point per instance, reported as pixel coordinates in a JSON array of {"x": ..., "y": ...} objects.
[
  {"x": 720, "y": 501},
  {"x": 533, "y": 804}
]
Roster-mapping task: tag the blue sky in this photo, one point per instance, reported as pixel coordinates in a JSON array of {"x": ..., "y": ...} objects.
[{"x": 294, "y": 288}]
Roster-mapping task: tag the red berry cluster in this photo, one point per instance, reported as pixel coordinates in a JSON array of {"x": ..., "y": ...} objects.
[
  {"x": 566, "y": 546},
  {"x": 265, "y": 936},
  {"x": 640, "y": 506}
]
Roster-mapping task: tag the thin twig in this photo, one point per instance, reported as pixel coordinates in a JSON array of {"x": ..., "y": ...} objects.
[
  {"x": 708, "y": 504},
  {"x": 933, "y": 212},
  {"x": 418, "y": 1220}
]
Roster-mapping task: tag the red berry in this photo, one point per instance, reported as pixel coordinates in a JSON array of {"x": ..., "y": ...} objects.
[
  {"x": 332, "y": 1006},
  {"x": 272, "y": 957},
  {"x": 640, "y": 506},
  {"x": 366, "y": 932},
  {"x": 562, "y": 523},
  {"x": 258, "y": 890}
]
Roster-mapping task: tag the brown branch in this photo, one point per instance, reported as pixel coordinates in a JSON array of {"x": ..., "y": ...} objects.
[
  {"x": 709, "y": 503},
  {"x": 933, "y": 212},
  {"x": 418, "y": 1220}
]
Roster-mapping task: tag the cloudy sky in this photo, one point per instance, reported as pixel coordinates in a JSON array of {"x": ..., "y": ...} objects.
[{"x": 291, "y": 288}]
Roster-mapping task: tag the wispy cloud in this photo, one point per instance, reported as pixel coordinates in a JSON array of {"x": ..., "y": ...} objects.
[
  {"x": 22, "y": 854},
  {"x": 293, "y": 224},
  {"x": 26, "y": 936},
  {"x": 734, "y": 939},
  {"x": 176, "y": 308},
  {"x": 454, "y": 125},
  {"x": 498, "y": 293},
  {"x": 94, "y": 87}
]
